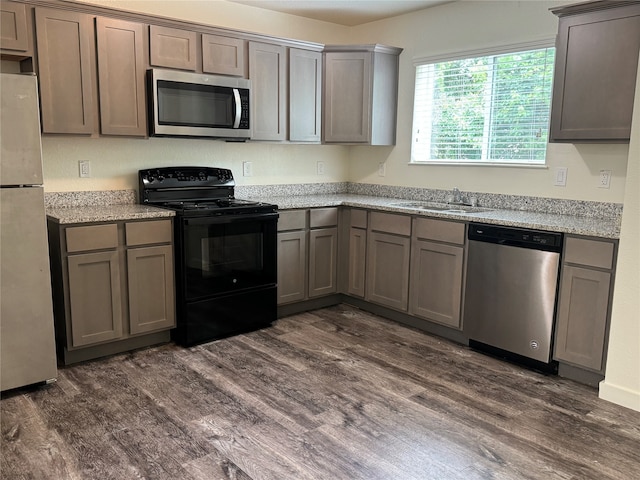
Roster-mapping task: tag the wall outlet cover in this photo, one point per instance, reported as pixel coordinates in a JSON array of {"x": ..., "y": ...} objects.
[
  {"x": 84, "y": 168},
  {"x": 561, "y": 177}
]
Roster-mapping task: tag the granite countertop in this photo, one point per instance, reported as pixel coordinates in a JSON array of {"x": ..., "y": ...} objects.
[
  {"x": 105, "y": 213},
  {"x": 603, "y": 227},
  {"x": 579, "y": 225}
]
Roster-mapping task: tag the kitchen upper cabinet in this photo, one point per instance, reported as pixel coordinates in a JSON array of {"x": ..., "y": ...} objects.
[
  {"x": 595, "y": 72},
  {"x": 437, "y": 271},
  {"x": 268, "y": 74},
  {"x": 584, "y": 302},
  {"x": 305, "y": 95},
  {"x": 172, "y": 48},
  {"x": 121, "y": 73},
  {"x": 113, "y": 286},
  {"x": 388, "y": 254},
  {"x": 360, "y": 94},
  {"x": 223, "y": 55},
  {"x": 15, "y": 31},
  {"x": 66, "y": 65}
]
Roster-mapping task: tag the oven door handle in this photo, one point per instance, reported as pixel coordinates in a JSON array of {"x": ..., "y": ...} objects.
[{"x": 242, "y": 217}]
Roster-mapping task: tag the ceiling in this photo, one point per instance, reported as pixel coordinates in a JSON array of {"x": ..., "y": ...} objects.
[{"x": 343, "y": 12}]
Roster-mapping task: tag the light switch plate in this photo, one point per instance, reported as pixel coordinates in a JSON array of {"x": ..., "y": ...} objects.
[
  {"x": 561, "y": 177},
  {"x": 247, "y": 169}
]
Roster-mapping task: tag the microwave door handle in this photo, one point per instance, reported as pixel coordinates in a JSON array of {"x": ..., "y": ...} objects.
[{"x": 236, "y": 97}]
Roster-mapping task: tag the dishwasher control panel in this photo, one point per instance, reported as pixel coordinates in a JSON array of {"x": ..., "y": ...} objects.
[{"x": 516, "y": 237}]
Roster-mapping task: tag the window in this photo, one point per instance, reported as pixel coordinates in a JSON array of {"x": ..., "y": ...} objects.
[{"x": 487, "y": 110}]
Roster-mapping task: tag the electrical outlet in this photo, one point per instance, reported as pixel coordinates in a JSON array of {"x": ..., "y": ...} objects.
[
  {"x": 605, "y": 179},
  {"x": 561, "y": 177},
  {"x": 320, "y": 168},
  {"x": 247, "y": 169},
  {"x": 382, "y": 169},
  {"x": 84, "y": 169}
]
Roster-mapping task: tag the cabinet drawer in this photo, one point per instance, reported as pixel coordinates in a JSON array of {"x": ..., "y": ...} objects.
[
  {"x": 390, "y": 223},
  {"x": 358, "y": 218},
  {"x": 323, "y": 217},
  {"x": 92, "y": 237},
  {"x": 439, "y": 230},
  {"x": 593, "y": 253},
  {"x": 143, "y": 233},
  {"x": 292, "y": 220}
]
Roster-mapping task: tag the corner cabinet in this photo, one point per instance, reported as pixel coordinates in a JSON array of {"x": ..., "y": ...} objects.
[
  {"x": 437, "y": 270},
  {"x": 113, "y": 286},
  {"x": 584, "y": 302},
  {"x": 595, "y": 73},
  {"x": 307, "y": 254},
  {"x": 360, "y": 94}
]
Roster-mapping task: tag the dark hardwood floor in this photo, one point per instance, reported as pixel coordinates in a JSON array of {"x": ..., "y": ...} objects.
[{"x": 332, "y": 394}]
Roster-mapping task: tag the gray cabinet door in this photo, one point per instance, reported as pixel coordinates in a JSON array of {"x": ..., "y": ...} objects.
[
  {"x": 357, "y": 261},
  {"x": 388, "y": 270},
  {"x": 347, "y": 97},
  {"x": 436, "y": 282},
  {"x": 121, "y": 70},
  {"x": 268, "y": 74},
  {"x": 594, "y": 84},
  {"x": 582, "y": 316},
  {"x": 292, "y": 266},
  {"x": 223, "y": 55},
  {"x": 94, "y": 298},
  {"x": 323, "y": 254},
  {"x": 14, "y": 32},
  {"x": 172, "y": 48},
  {"x": 151, "y": 291},
  {"x": 305, "y": 94},
  {"x": 65, "y": 47}
]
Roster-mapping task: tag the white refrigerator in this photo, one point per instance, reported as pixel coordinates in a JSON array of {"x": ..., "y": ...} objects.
[{"x": 27, "y": 343}]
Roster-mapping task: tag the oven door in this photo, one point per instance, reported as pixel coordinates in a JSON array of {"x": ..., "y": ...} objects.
[{"x": 223, "y": 254}]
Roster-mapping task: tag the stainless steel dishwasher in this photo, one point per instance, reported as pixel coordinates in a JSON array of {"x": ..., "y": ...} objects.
[{"x": 510, "y": 296}]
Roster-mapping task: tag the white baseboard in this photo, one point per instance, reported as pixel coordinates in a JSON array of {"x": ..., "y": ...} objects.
[{"x": 619, "y": 395}]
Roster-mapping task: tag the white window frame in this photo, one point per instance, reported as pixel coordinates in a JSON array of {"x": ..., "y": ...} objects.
[{"x": 545, "y": 42}]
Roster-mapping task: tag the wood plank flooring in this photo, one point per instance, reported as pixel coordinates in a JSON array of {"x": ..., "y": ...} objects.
[{"x": 332, "y": 394}]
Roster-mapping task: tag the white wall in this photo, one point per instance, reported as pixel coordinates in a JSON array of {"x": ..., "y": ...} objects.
[
  {"x": 463, "y": 26},
  {"x": 622, "y": 382}
]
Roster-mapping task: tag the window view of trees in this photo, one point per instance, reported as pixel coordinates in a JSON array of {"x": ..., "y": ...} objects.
[{"x": 489, "y": 109}]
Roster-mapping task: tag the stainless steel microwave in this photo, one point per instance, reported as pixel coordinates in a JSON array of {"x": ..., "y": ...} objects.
[{"x": 188, "y": 104}]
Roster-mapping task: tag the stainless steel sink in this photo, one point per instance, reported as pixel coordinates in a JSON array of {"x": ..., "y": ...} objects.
[{"x": 442, "y": 207}]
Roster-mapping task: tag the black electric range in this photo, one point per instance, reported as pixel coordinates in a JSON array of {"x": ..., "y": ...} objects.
[{"x": 225, "y": 252}]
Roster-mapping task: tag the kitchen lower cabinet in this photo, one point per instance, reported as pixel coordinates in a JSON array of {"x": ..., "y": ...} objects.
[
  {"x": 437, "y": 271},
  {"x": 307, "y": 254},
  {"x": 357, "y": 252},
  {"x": 94, "y": 297},
  {"x": 121, "y": 73},
  {"x": 388, "y": 255},
  {"x": 112, "y": 285},
  {"x": 584, "y": 302}
]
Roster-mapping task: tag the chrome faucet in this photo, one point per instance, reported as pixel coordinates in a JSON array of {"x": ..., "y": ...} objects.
[{"x": 457, "y": 197}]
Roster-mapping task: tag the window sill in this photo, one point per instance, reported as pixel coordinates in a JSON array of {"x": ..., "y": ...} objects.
[{"x": 483, "y": 164}]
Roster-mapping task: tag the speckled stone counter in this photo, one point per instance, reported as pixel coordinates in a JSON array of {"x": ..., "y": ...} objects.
[
  {"x": 607, "y": 227},
  {"x": 105, "y": 213}
]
